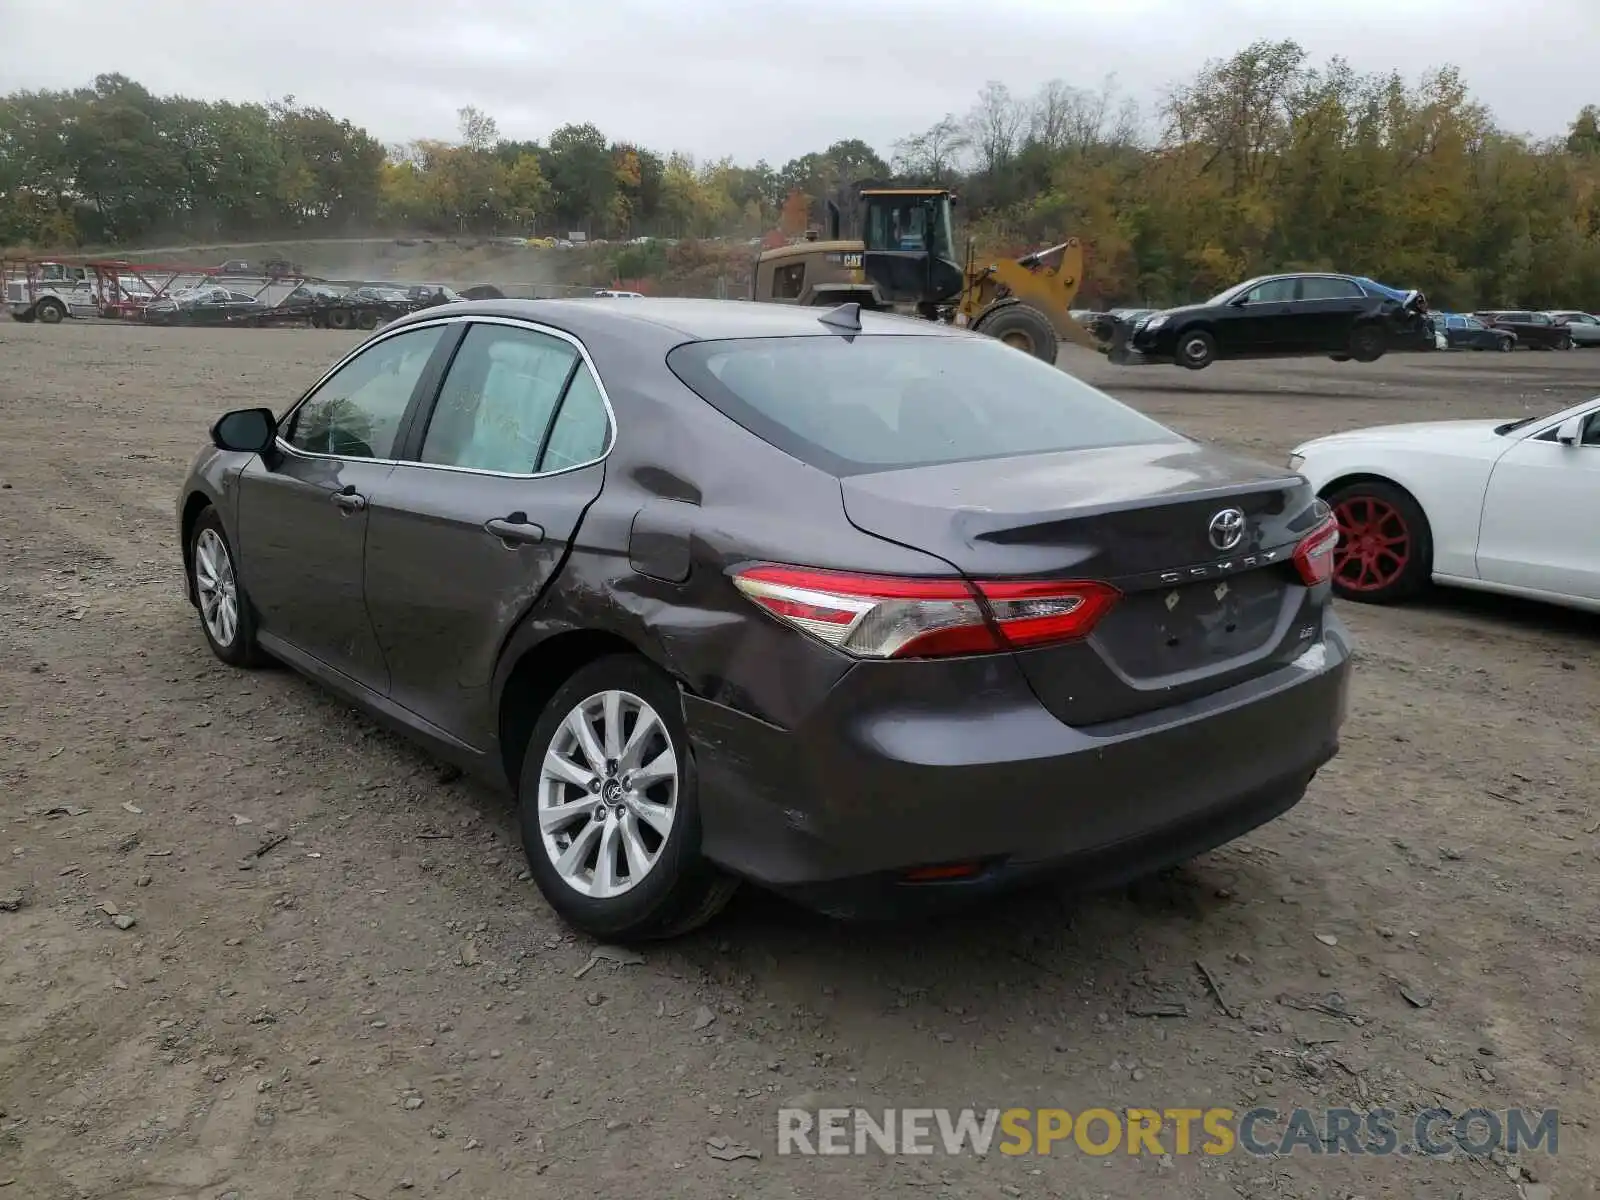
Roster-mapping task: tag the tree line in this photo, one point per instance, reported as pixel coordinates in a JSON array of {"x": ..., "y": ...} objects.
[{"x": 1263, "y": 161}]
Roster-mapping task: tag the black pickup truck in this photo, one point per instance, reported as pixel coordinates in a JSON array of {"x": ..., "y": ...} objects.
[{"x": 1535, "y": 330}]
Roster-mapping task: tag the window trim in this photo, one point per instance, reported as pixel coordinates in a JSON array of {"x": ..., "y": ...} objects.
[{"x": 425, "y": 405}]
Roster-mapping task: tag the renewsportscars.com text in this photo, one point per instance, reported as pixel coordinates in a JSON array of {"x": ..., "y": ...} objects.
[{"x": 1263, "y": 1132}]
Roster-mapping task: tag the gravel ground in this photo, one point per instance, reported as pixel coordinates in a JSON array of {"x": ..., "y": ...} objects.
[{"x": 380, "y": 1004}]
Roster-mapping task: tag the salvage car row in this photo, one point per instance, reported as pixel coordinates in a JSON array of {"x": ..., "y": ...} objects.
[
  {"x": 1346, "y": 317},
  {"x": 732, "y": 593}
]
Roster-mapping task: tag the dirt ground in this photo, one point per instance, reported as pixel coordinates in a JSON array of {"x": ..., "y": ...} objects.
[{"x": 381, "y": 1004}]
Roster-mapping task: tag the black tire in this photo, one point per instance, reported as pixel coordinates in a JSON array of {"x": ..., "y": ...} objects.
[
  {"x": 50, "y": 311},
  {"x": 1565, "y": 343},
  {"x": 339, "y": 318},
  {"x": 1368, "y": 342},
  {"x": 1414, "y": 578},
  {"x": 1196, "y": 349},
  {"x": 1023, "y": 328},
  {"x": 240, "y": 650},
  {"x": 1339, "y": 357},
  {"x": 368, "y": 318},
  {"x": 680, "y": 890},
  {"x": 1507, "y": 345}
]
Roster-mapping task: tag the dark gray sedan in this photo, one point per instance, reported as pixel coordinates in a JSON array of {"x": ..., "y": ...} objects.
[{"x": 871, "y": 611}]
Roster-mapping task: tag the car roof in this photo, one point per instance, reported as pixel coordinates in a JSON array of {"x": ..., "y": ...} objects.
[{"x": 690, "y": 320}]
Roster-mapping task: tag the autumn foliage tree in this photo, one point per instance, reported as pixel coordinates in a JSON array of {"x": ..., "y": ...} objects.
[{"x": 1262, "y": 161}]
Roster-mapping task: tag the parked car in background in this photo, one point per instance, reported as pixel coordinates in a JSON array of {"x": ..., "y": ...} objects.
[
  {"x": 1342, "y": 316},
  {"x": 1504, "y": 506},
  {"x": 1463, "y": 332},
  {"x": 379, "y": 293},
  {"x": 616, "y": 295},
  {"x": 210, "y": 304},
  {"x": 1584, "y": 327},
  {"x": 726, "y": 591},
  {"x": 313, "y": 291},
  {"x": 1535, "y": 330},
  {"x": 433, "y": 293}
]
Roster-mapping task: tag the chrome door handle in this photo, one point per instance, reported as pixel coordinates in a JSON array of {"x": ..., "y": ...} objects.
[
  {"x": 515, "y": 530},
  {"x": 349, "y": 501}
]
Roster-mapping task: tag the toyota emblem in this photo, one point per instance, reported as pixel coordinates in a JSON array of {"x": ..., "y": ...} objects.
[{"x": 1227, "y": 529}]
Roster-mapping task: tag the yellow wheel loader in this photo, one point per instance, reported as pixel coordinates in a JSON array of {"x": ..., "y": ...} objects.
[{"x": 900, "y": 257}]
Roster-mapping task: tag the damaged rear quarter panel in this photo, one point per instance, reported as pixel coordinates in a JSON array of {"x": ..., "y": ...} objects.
[{"x": 689, "y": 497}]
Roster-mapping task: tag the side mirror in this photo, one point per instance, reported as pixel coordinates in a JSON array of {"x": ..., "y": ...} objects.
[
  {"x": 1570, "y": 431},
  {"x": 1239, "y": 301},
  {"x": 245, "y": 431}
]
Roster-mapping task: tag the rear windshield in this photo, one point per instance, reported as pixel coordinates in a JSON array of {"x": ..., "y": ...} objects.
[{"x": 883, "y": 401}]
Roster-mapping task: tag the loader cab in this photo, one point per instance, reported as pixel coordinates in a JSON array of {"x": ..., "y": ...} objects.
[{"x": 908, "y": 245}]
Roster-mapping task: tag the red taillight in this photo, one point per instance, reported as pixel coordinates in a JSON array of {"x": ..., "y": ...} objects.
[
  {"x": 875, "y": 616},
  {"x": 1313, "y": 557}
]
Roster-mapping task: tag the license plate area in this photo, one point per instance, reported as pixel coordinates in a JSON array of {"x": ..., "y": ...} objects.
[{"x": 1191, "y": 626}]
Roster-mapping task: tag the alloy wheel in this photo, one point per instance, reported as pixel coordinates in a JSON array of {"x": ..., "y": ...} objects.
[
  {"x": 608, "y": 794},
  {"x": 1374, "y": 544},
  {"x": 216, "y": 587}
]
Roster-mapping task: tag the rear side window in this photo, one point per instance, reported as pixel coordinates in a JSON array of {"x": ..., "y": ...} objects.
[
  {"x": 579, "y": 434},
  {"x": 498, "y": 399},
  {"x": 1323, "y": 287},
  {"x": 883, "y": 401}
]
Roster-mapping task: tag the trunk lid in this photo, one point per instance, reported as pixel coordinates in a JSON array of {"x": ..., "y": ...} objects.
[{"x": 1194, "y": 617}]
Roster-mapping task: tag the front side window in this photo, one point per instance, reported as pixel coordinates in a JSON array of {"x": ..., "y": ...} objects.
[
  {"x": 356, "y": 413},
  {"x": 884, "y": 401},
  {"x": 498, "y": 399},
  {"x": 1274, "y": 291},
  {"x": 908, "y": 223}
]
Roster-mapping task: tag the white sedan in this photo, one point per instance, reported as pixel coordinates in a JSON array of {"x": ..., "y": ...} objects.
[{"x": 1504, "y": 506}]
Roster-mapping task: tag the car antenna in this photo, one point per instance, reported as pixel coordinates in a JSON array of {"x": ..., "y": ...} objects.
[{"x": 847, "y": 317}]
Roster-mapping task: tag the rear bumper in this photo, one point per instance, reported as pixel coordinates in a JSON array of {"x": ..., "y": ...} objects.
[{"x": 884, "y": 781}]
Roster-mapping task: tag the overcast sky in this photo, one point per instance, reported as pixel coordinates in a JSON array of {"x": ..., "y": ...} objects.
[{"x": 758, "y": 78}]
